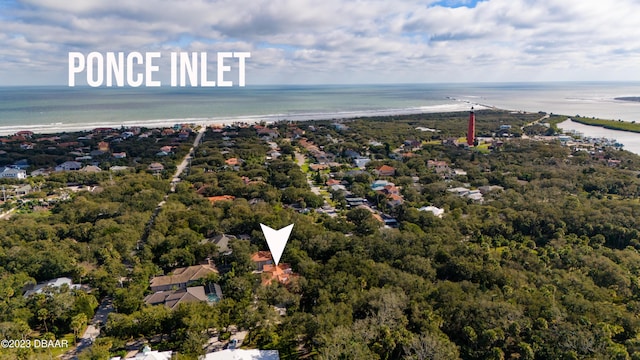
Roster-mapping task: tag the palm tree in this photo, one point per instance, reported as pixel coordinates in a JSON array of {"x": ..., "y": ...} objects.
[
  {"x": 77, "y": 323},
  {"x": 43, "y": 314}
]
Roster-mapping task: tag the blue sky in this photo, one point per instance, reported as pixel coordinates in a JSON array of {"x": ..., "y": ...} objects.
[{"x": 336, "y": 41}]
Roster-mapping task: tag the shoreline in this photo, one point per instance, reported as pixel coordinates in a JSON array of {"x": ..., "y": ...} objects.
[
  {"x": 54, "y": 128},
  {"x": 625, "y": 126}
]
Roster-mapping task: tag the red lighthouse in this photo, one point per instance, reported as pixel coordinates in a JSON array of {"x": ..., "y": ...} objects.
[{"x": 471, "y": 132}]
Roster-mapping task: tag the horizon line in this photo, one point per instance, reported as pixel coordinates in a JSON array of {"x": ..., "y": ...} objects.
[{"x": 84, "y": 86}]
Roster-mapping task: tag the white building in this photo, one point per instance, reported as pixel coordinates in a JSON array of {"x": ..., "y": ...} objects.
[
  {"x": 148, "y": 354},
  {"x": 69, "y": 166},
  {"x": 11, "y": 173},
  {"x": 238, "y": 354},
  {"x": 436, "y": 211},
  {"x": 55, "y": 283}
]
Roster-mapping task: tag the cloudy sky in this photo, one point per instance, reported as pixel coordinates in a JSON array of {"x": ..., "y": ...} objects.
[{"x": 336, "y": 41}]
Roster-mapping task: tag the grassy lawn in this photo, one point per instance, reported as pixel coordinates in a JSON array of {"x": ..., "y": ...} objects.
[
  {"x": 483, "y": 148},
  {"x": 55, "y": 352}
]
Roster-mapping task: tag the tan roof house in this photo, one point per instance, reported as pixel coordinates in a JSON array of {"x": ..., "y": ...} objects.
[{"x": 180, "y": 278}]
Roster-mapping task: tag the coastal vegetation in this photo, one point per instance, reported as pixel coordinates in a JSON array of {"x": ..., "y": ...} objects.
[
  {"x": 609, "y": 124},
  {"x": 545, "y": 267}
]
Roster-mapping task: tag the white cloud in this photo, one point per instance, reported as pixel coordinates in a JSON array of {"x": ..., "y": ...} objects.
[{"x": 356, "y": 40}]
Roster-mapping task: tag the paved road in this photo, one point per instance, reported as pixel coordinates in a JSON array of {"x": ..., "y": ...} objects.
[
  {"x": 525, "y": 136},
  {"x": 300, "y": 159},
  {"x": 92, "y": 331},
  {"x": 7, "y": 214},
  {"x": 183, "y": 165}
]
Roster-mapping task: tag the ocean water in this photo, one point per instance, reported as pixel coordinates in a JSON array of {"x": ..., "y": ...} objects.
[
  {"x": 630, "y": 140},
  {"x": 52, "y": 109},
  {"x": 60, "y": 108}
]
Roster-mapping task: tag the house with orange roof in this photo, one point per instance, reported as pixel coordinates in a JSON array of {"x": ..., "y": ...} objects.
[
  {"x": 68, "y": 144},
  {"x": 233, "y": 161},
  {"x": 378, "y": 217},
  {"x": 394, "y": 200},
  {"x": 281, "y": 273},
  {"x": 318, "y": 167},
  {"x": 25, "y": 133},
  {"x": 386, "y": 170},
  {"x": 103, "y": 146},
  {"x": 261, "y": 259},
  {"x": 391, "y": 189},
  {"x": 101, "y": 130},
  {"x": 215, "y": 199}
]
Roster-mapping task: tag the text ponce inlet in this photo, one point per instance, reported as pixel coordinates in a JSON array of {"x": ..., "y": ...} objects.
[{"x": 138, "y": 69}]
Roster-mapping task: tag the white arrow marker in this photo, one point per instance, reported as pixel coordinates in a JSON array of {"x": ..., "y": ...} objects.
[{"x": 277, "y": 240}]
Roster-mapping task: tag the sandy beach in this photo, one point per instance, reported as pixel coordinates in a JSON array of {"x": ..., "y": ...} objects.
[{"x": 269, "y": 118}]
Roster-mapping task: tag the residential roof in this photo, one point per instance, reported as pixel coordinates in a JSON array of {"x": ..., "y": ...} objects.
[
  {"x": 119, "y": 168},
  {"x": 241, "y": 354},
  {"x": 91, "y": 169},
  {"x": 281, "y": 273},
  {"x": 316, "y": 167},
  {"x": 156, "y": 166},
  {"x": 386, "y": 169},
  {"x": 261, "y": 256},
  {"x": 436, "y": 211},
  {"x": 13, "y": 171},
  {"x": 432, "y": 163},
  {"x": 232, "y": 161},
  {"x": 222, "y": 241},
  {"x": 172, "y": 299},
  {"x": 54, "y": 283},
  {"x": 73, "y": 164},
  {"x": 184, "y": 275},
  {"x": 214, "y": 199}
]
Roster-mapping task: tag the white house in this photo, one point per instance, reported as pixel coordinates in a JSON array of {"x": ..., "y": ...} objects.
[
  {"x": 238, "y": 354},
  {"x": 11, "y": 173},
  {"x": 55, "y": 283},
  {"x": 361, "y": 162},
  {"x": 68, "y": 166},
  {"x": 436, "y": 211},
  {"x": 148, "y": 354}
]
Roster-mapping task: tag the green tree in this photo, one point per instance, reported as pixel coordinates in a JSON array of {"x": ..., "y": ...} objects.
[{"x": 78, "y": 322}]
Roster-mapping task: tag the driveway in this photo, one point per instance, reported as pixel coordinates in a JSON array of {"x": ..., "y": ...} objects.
[{"x": 92, "y": 331}]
